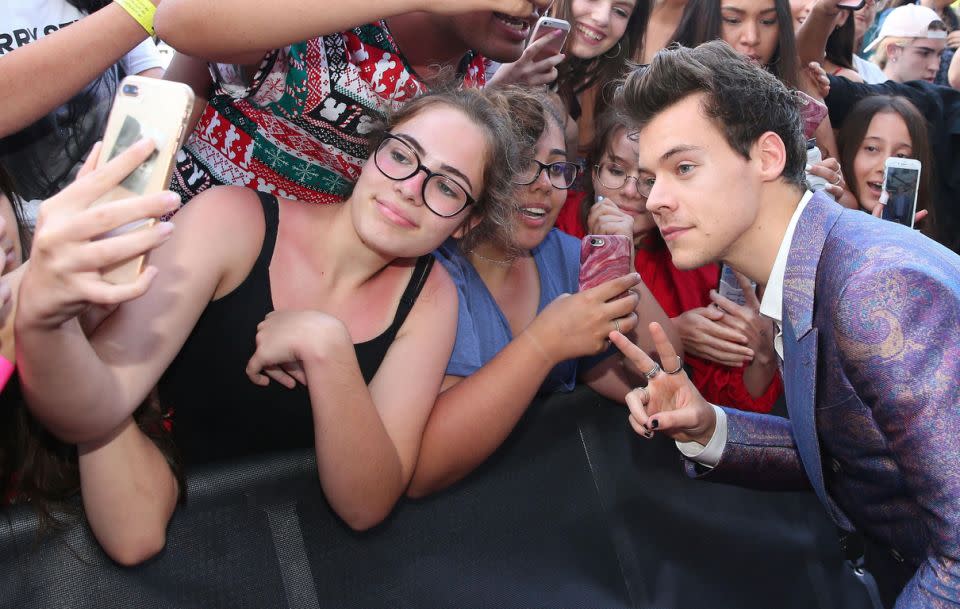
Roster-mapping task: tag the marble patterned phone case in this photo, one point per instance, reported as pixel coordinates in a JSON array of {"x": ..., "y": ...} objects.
[{"x": 602, "y": 258}]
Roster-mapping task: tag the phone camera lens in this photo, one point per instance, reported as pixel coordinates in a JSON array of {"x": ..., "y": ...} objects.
[
  {"x": 131, "y": 90},
  {"x": 596, "y": 241}
]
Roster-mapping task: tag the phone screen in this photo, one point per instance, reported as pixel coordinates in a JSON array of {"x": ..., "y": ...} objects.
[
  {"x": 901, "y": 186},
  {"x": 129, "y": 134}
]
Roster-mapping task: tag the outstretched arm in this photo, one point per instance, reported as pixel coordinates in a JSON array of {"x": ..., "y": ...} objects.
[
  {"x": 473, "y": 417},
  {"x": 240, "y": 31},
  {"x": 101, "y": 39}
]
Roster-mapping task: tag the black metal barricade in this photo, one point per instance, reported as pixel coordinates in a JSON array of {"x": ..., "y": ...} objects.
[{"x": 575, "y": 511}]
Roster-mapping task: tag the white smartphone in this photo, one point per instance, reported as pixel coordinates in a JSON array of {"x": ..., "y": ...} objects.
[
  {"x": 546, "y": 26},
  {"x": 901, "y": 181}
]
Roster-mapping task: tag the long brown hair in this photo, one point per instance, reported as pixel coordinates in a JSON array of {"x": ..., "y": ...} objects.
[
  {"x": 702, "y": 22},
  {"x": 578, "y": 75},
  {"x": 855, "y": 130}
]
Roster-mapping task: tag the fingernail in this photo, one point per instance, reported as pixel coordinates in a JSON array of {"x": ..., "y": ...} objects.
[
  {"x": 165, "y": 228},
  {"x": 654, "y": 423},
  {"x": 171, "y": 199},
  {"x": 648, "y": 435}
]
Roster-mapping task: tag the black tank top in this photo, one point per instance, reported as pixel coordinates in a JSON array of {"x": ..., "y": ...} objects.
[{"x": 218, "y": 413}]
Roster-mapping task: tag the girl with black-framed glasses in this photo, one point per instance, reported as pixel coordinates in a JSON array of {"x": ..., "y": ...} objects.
[{"x": 267, "y": 328}]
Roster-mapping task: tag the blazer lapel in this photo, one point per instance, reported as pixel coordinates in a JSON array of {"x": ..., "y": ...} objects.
[{"x": 800, "y": 338}]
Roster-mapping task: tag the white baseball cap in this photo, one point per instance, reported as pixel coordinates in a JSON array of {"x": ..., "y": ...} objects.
[{"x": 909, "y": 21}]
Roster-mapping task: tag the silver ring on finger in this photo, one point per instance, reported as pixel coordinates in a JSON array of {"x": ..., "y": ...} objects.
[
  {"x": 616, "y": 324},
  {"x": 839, "y": 179},
  {"x": 679, "y": 367},
  {"x": 653, "y": 371}
]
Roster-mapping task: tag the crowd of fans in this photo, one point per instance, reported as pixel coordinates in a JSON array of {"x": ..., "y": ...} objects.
[{"x": 372, "y": 233}]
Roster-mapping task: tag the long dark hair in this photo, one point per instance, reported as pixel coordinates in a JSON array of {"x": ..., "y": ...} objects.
[
  {"x": 840, "y": 44},
  {"x": 702, "y": 22},
  {"x": 578, "y": 75},
  {"x": 8, "y": 190},
  {"x": 23, "y": 161},
  {"x": 855, "y": 130},
  {"x": 38, "y": 469}
]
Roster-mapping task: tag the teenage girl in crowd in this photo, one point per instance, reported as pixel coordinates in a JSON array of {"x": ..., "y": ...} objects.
[
  {"x": 604, "y": 36},
  {"x": 729, "y": 347},
  {"x": 880, "y": 127},
  {"x": 523, "y": 327},
  {"x": 319, "y": 311}
]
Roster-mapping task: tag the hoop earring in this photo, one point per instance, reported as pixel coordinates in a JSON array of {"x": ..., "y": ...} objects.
[{"x": 615, "y": 55}]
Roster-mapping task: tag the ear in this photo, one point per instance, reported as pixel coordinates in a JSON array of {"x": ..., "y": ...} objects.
[
  {"x": 842, "y": 17},
  {"x": 770, "y": 155},
  {"x": 893, "y": 51}
]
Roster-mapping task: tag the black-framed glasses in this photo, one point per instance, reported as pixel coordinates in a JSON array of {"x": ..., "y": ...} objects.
[
  {"x": 614, "y": 176},
  {"x": 561, "y": 174},
  {"x": 441, "y": 194}
]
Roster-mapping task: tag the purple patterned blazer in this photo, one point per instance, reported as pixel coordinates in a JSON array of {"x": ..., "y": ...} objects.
[{"x": 872, "y": 376}]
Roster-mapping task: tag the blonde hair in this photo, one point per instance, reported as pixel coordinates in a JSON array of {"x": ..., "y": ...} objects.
[{"x": 880, "y": 56}]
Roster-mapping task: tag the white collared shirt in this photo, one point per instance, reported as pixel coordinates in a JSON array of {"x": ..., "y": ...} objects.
[{"x": 771, "y": 306}]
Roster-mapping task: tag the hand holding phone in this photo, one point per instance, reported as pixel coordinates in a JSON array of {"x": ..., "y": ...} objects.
[
  {"x": 602, "y": 258},
  {"x": 812, "y": 112},
  {"x": 556, "y": 30},
  {"x": 901, "y": 184},
  {"x": 64, "y": 276},
  {"x": 143, "y": 108}
]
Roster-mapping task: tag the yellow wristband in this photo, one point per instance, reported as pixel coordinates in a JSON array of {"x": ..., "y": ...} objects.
[{"x": 142, "y": 11}]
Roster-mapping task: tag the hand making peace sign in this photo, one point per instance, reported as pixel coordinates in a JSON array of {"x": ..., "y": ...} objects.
[{"x": 669, "y": 403}]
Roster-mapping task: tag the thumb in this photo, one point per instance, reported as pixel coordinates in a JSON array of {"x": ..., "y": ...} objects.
[{"x": 672, "y": 422}]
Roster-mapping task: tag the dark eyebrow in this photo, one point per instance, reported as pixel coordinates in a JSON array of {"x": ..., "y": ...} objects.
[
  {"x": 447, "y": 168},
  {"x": 558, "y": 152},
  {"x": 672, "y": 152},
  {"x": 740, "y": 11},
  {"x": 677, "y": 150}
]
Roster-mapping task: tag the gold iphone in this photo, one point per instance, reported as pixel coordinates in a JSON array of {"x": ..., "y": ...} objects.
[{"x": 144, "y": 107}]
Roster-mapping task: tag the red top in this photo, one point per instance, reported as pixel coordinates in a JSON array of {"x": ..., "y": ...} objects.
[{"x": 678, "y": 291}]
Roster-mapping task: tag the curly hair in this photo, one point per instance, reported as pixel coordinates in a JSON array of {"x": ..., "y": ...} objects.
[{"x": 742, "y": 99}]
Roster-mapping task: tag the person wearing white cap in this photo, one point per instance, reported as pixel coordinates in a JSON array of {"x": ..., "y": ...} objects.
[{"x": 910, "y": 43}]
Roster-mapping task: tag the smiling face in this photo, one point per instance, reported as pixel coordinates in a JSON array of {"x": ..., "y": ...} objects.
[
  {"x": 597, "y": 26},
  {"x": 705, "y": 196},
  {"x": 496, "y": 36},
  {"x": 886, "y": 136},
  {"x": 620, "y": 160},
  {"x": 751, "y": 27},
  {"x": 540, "y": 202},
  {"x": 389, "y": 215}
]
